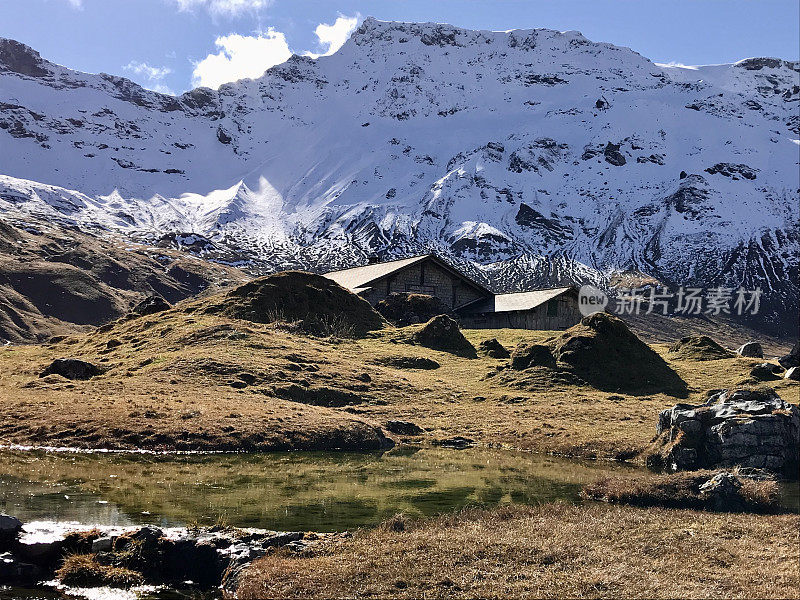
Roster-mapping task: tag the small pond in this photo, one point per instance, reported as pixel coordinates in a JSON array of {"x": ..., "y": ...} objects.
[
  {"x": 303, "y": 491},
  {"x": 306, "y": 491}
]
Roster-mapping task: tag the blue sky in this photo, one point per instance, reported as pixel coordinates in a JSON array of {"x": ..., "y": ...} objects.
[{"x": 173, "y": 45}]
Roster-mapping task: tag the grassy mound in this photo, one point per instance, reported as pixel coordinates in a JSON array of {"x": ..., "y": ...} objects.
[
  {"x": 699, "y": 347},
  {"x": 322, "y": 306},
  {"x": 602, "y": 351},
  {"x": 407, "y": 309},
  {"x": 442, "y": 333}
]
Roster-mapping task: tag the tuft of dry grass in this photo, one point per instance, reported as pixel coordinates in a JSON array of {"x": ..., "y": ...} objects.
[
  {"x": 551, "y": 550},
  {"x": 83, "y": 570},
  {"x": 679, "y": 490}
]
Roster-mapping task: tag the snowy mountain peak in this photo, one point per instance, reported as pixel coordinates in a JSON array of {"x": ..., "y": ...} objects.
[{"x": 528, "y": 157}]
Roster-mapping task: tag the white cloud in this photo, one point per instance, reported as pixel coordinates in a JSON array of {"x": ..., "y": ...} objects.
[
  {"x": 333, "y": 37},
  {"x": 241, "y": 57},
  {"x": 226, "y": 8},
  {"x": 152, "y": 76},
  {"x": 151, "y": 73},
  {"x": 76, "y": 4}
]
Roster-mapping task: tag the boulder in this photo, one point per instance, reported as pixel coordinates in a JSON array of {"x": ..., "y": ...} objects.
[
  {"x": 493, "y": 349},
  {"x": 751, "y": 350},
  {"x": 402, "y": 308},
  {"x": 531, "y": 355},
  {"x": 151, "y": 305},
  {"x": 9, "y": 530},
  {"x": 71, "y": 368},
  {"x": 747, "y": 428},
  {"x": 723, "y": 493},
  {"x": 792, "y": 359},
  {"x": 456, "y": 443},
  {"x": 14, "y": 572},
  {"x": 612, "y": 155},
  {"x": 793, "y": 373},
  {"x": 403, "y": 428},
  {"x": 408, "y": 362},
  {"x": 442, "y": 333},
  {"x": 766, "y": 372}
]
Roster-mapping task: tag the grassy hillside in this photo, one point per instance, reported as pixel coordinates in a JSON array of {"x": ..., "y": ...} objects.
[{"x": 184, "y": 379}]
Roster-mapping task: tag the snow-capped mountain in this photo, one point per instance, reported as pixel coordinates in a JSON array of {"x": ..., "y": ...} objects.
[{"x": 529, "y": 157}]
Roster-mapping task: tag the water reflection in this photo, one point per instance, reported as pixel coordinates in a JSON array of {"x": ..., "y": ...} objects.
[{"x": 293, "y": 491}]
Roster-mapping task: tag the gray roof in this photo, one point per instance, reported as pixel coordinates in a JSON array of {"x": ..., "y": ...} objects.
[
  {"x": 518, "y": 300},
  {"x": 359, "y": 277}
]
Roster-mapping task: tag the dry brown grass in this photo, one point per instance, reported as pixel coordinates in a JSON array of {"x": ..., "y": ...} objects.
[
  {"x": 679, "y": 490},
  {"x": 548, "y": 551},
  {"x": 83, "y": 570},
  {"x": 172, "y": 383}
]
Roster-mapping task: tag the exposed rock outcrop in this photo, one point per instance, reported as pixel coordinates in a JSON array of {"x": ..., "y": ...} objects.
[
  {"x": 403, "y": 427},
  {"x": 750, "y": 428},
  {"x": 766, "y": 372},
  {"x": 792, "y": 359},
  {"x": 751, "y": 350},
  {"x": 208, "y": 557},
  {"x": 408, "y": 362},
  {"x": 72, "y": 368},
  {"x": 151, "y": 305}
]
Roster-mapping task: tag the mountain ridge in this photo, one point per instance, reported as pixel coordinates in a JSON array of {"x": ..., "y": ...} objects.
[{"x": 528, "y": 157}]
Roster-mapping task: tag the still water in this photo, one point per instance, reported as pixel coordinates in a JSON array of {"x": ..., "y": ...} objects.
[{"x": 291, "y": 491}]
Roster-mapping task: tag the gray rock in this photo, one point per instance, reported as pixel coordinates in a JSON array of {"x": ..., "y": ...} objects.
[
  {"x": 721, "y": 492},
  {"x": 72, "y": 368},
  {"x": 9, "y": 530},
  {"x": 751, "y": 428},
  {"x": 403, "y": 427},
  {"x": 766, "y": 372},
  {"x": 612, "y": 155},
  {"x": 792, "y": 359},
  {"x": 103, "y": 544},
  {"x": 15, "y": 572},
  {"x": 751, "y": 350},
  {"x": 793, "y": 373},
  {"x": 151, "y": 305},
  {"x": 9, "y": 525}
]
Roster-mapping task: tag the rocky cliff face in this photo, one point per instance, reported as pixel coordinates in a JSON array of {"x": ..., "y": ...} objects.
[{"x": 528, "y": 157}]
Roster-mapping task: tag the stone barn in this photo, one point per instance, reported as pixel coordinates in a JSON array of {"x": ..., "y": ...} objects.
[
  {"x": 476, "y": 306},
  {"x": 424, "y": 274},
  {"x": 538, "y": 309}
]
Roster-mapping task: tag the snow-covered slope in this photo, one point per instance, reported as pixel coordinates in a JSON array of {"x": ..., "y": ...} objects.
[{"x": 528, "y": 157}]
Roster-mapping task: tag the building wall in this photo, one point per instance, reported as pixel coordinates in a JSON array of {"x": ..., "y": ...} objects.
[
  {"x": 424, "y": 278},
  {"x": 567, "y": 315}
]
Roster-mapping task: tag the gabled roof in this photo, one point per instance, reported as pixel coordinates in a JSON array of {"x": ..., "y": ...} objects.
[
  {"x": 518, "y": 300},
  {"x": 358, "y": 278}
]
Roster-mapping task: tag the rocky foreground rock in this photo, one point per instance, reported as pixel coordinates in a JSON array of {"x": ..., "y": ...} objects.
[
  {"x": 203, "y": 558},
  {"x": 749, "y": 428}
]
